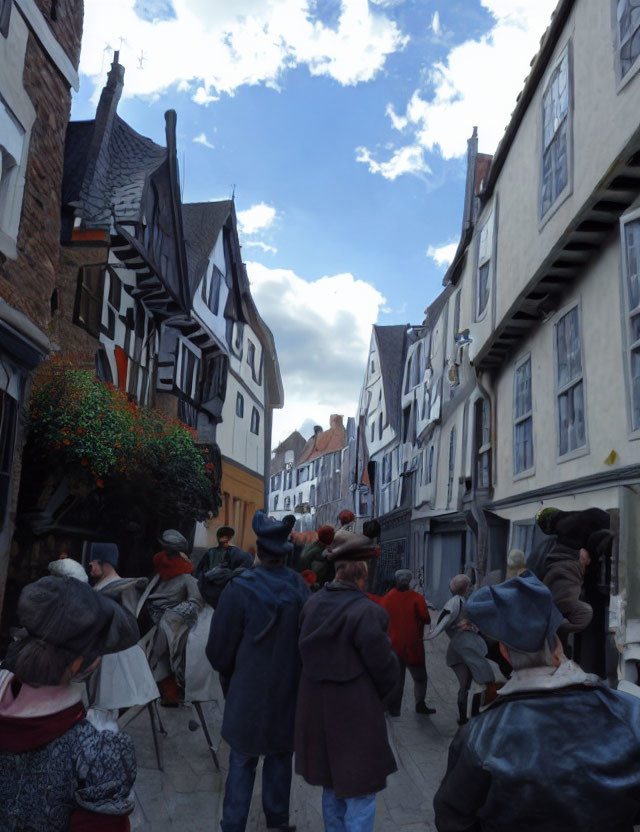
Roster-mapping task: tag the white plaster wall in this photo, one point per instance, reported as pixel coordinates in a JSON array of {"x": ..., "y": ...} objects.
[
  {"x": 234, "y": 437},
  {"x": 522, "y": 244},
  {"x": 215, "y": 324},
  {"x": 604, "y": 369}
]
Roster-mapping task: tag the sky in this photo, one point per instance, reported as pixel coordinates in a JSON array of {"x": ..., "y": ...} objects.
[{"x": 341, "y": 128}]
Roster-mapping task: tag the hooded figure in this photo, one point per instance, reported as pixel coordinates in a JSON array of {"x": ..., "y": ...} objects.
[
  {"x": 253, "y": 645},
  {"x": 556, "y": 750},
  {"x": 348, "y": 668},
  {"x": 57, "y": 772}
]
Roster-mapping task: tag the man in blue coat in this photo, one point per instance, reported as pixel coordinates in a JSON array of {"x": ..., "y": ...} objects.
[
  {"x": 558, "y": 751},
  {"x": 254, "y": 644}
]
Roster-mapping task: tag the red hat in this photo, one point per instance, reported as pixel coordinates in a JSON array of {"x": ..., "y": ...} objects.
[
  {"x": 326, "y": 534},
  {"x": 346, "y": 516},
  {"x": 309, "y": 576}
]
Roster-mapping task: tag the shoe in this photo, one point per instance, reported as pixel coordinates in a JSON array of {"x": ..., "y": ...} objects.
[{"x": 422, "y": 708}]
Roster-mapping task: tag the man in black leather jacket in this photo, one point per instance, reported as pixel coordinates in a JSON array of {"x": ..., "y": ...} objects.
[{"x": 558, "y": 751}]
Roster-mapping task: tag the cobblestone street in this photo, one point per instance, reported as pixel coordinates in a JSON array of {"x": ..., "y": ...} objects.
[{"x": 188, "y": 794}]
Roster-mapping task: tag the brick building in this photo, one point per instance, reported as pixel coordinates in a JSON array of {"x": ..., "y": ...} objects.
[{"x": 39, "y": 54}]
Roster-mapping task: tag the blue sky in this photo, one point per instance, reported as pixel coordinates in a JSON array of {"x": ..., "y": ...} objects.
[{"x": 342, "y": 125}]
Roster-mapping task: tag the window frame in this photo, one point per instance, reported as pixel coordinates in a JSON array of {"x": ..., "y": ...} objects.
[
  {"x": 255, "y": 420},
  {"x": 489, "y": 225},
  {"x": 93, "y": 297},
  {"x": 239, "y": 405},
  {"x": 519, "y": 420},
  {"x": 545, "y": 215},
  {"x": 621, "y": 79},
  {"x": 451, "y": 464},
  {"x": 483, "y": 449},
  {"x": 629, "y": 313},
  {"x": 559, "y": 390}
]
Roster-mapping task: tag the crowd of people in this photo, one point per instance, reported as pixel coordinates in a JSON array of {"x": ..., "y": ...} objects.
[{"x": 312, "y": 664}]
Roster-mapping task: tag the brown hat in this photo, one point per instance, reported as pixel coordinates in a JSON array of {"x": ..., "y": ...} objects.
[{"x": 351, "y": 546}]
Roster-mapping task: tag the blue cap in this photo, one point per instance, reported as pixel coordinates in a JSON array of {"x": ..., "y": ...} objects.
[
  {"x": 519, "y": 612},
  {"x": 107, "y": 552},
  {"x": 272, "y": 536}
]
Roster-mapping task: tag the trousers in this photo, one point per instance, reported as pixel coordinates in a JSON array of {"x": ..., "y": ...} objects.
[
  {"x": 419, "y": 675},
  {"x": 276, "y": 790},
  {"x": 351, "y": 814}
]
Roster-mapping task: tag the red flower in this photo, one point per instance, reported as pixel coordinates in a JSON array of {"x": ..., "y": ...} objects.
[
  {"x": 80, "y": 430},
  {"x": 209, "y": 466},
  {"x": 66, "y": 441},
  {"x": 100, "y": 483},
  {"x": 84, "y": 462}
]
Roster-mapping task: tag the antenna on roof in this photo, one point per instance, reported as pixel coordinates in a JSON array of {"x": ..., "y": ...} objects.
[{"x": 233, "y": 192}]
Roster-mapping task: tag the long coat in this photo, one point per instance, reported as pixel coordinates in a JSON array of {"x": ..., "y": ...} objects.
[
  {"x": 545, "y": 761},
  {"x": 407, "y": 616},
  {"x": 254, "y": 642},
  {"x": 348, "y": 667}
]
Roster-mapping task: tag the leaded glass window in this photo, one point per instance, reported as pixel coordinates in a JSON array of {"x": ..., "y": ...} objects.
[
  {"x": 632, "y": 267},
  {"x": 522, "y": 419},
  {"x": 555, "y": 112},
  {"x": 628, "y": 15},
  {"x": 570, "y": 388}
]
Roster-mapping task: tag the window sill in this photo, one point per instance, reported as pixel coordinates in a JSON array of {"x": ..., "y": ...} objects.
[
  {"x": 523, "y": 475},
  {"x": 583, "y": 451}
]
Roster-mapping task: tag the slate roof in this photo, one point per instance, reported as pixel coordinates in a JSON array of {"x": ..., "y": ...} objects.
[
  {"x": 115, "y": 181},
  {"x": 392, "y": 343},
  {"x": 202, "y": 223}
]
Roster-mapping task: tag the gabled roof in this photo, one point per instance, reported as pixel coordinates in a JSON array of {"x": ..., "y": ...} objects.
[
  {"x": 202, "y": 223},
  {"x": 325, "y": 441},
  {"x": 392, "y": 342}
]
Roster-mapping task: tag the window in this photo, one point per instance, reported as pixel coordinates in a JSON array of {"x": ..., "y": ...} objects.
[
  {"x": 287, "y": 503},
  {"x": 430, "y": 465},
  {"x": 409, "y": 373},
  {"x": 189, "y": 364},
  {"x": 380, "y": 425},
  {"x": 211, "y": 288},
  {"x": 386, "y": 469},
  {"x": 628, "y": 25},
  {"x": 373, "y": 367},
  {"x": 251, "y": 356},
  {"x": 452, "y": 464},
  {"x": 12, "y": 143},
  {"x": 555, "y": 136},
  {"x": 5, "y": 16},
  {"x": 483, "y": 443},
  {"x": 275, "y": 502},
  {"x": 239, "y": 406},
  {"x": 255, "y": 421},
  {"x": 522, "y": 418},
  {"x": 312, "y": 496},
  {"x": 569, "y": 384},
  {"x": 303, "y": 474},
  {"x": 89, "y": 299},
  {"x": 456, "y": 315},
  {"x": 483, "y": 273},
  {"x": 631, "y": 267}
]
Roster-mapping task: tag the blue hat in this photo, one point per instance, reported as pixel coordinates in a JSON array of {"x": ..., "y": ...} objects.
[
  {"x": 519, "y": 612},
  {"x": 273, "y": 536},
  {"x": 107, "y": 552}
]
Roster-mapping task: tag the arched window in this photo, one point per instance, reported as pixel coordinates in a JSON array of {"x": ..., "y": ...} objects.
[
  {"x": 255, "y": 421},
  {"x": 239, "y": 405}
]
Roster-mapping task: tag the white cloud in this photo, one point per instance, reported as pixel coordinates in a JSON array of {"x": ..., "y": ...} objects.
[
  {"x": 444, "y": 254},
  {"x": 322, "y": 329},
  {"x": 476, "y": 84},
  {"x": 259, "y": 244},
  {"x": 398, "y": 122},
  {"x": 219, "y": 47},
  {"x": 436, "y": 26},
  {"x": 257, "y": 218},
  {"x": 202, "y": 139},
  {"x": 409, "y": 159}
]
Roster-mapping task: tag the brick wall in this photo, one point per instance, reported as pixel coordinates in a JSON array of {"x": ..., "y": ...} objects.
[{"x": 28, "y": 282}]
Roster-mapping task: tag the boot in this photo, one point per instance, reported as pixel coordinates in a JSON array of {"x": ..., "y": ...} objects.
[
  {"x": 462, "y": 713},
  {"x": 423, "y": 708}
]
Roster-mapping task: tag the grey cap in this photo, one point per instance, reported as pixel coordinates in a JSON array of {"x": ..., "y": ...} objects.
[
  {"x": 403, "y": 576},
  {"x": 173, "y": 541}
]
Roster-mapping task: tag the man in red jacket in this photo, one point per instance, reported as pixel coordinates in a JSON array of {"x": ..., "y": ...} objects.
[{"x": 407, "y": 616}]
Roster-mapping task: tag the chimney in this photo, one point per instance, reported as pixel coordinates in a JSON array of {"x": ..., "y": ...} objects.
[
  {"x": 317, "y": 429},
  {"x": 111, "y": 92},
  {"x": 335, "y": 421}
]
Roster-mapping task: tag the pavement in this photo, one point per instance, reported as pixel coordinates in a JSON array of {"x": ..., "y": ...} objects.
[{"x": 187, "y": 794}]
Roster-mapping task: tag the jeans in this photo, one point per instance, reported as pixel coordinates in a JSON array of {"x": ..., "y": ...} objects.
[
  {"x": 276, "y": 789},
  {"x": 353, "y": 814},
  {"x": 419, "y": 675}
]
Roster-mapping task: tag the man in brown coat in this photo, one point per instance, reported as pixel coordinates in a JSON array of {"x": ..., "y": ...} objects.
[{"x": 348, "y": 668}]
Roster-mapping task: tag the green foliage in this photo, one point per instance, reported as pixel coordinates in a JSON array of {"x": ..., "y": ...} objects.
[{"x": 92, "y": 433}]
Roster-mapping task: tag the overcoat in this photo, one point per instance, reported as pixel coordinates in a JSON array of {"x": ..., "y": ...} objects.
[
  {"x": 564, "y": 575},
  {"x": 253, "y": 642},
  {"x": 348, "y": 667},
  {"x": 545, "y": 761},
  {"x": 407, "y": 616}
]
